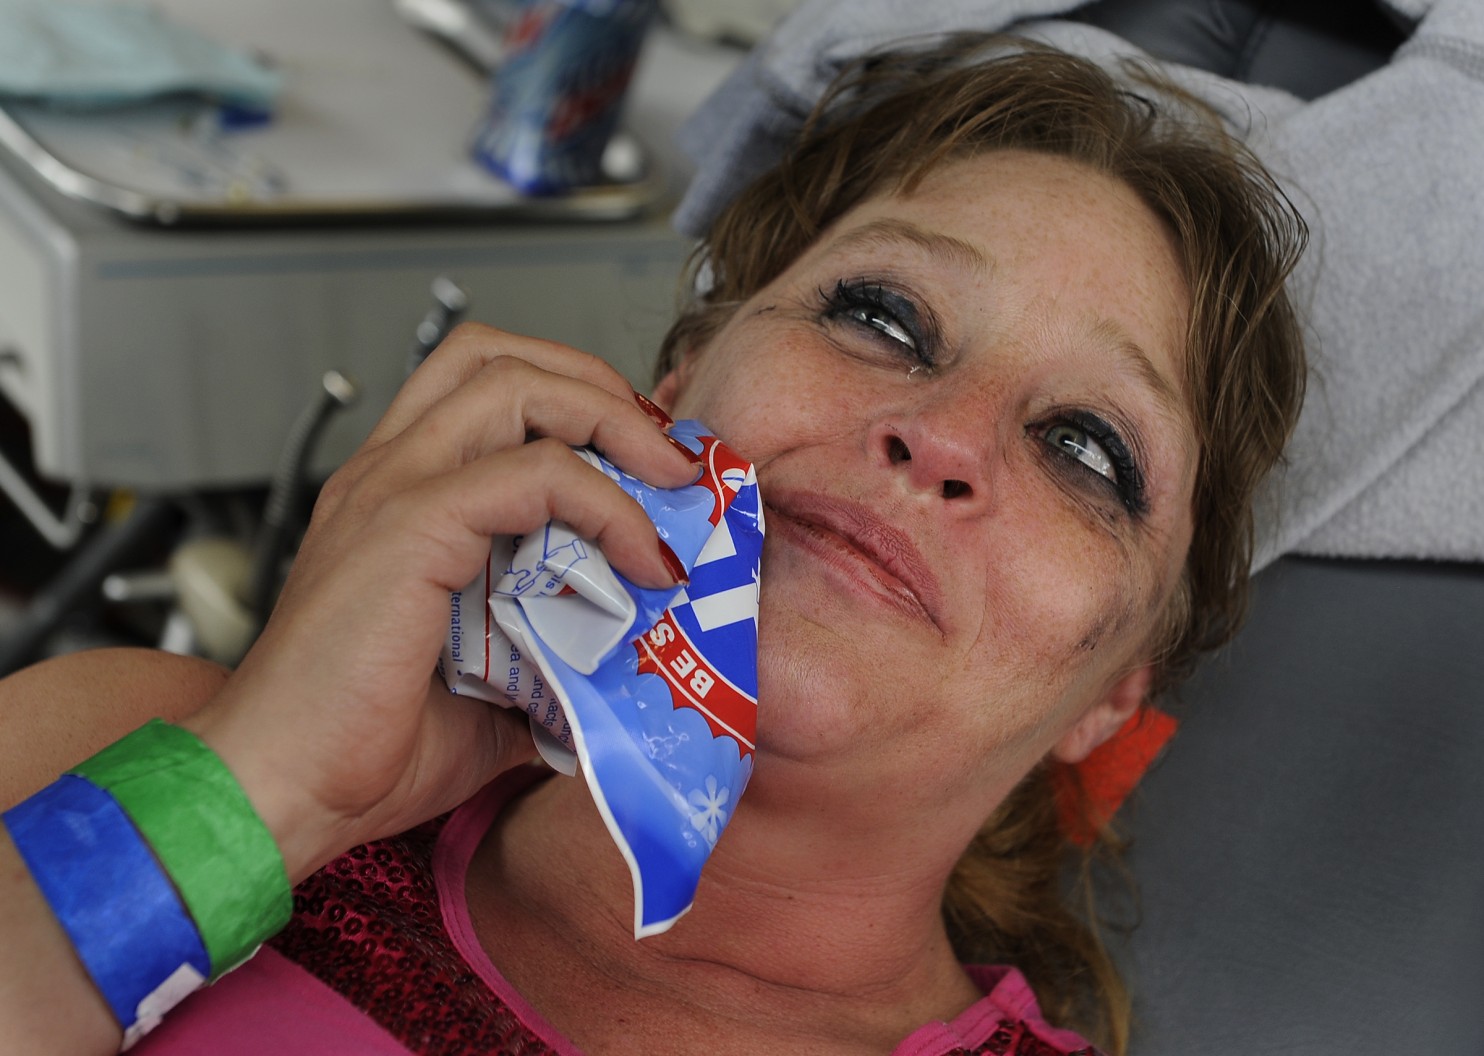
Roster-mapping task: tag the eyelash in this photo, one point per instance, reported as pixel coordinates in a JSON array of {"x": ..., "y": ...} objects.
[
  {"x": 879, "y": 309},
  {"x": 1129, "y": 485}
]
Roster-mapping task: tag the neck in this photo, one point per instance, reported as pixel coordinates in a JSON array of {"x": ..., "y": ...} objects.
[{"x": 802, "y": 917}]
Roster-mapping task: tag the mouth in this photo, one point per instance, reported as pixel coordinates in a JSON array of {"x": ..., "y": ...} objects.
[{"x": 851, "y": 539}]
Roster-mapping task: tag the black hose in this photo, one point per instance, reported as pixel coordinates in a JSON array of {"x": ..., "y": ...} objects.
[
  {"x": 284, "y": 490},
  {"x": 99, "y": 555},
  {"x": 450, "y": 302}
]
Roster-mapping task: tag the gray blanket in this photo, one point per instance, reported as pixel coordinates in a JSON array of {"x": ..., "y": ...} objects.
[{"x": 1388, "y": 460}]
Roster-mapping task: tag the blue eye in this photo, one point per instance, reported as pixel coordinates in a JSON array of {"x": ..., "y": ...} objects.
[
  {"x": 879, "y": 320},
  {"x": 1079, "y": 445},
  {"x": 886, "y": 313},
  {"x": 1096, "y": 447}
]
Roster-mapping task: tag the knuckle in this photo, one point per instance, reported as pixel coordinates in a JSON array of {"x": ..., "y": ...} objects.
[
  {"x": 400, "y": 512},
  {"x": 358, "y": 487},
  {"x": 341, "y": 483},
  {"x": 469, "y": 332},
  {"x": 506, "y": 363},
  {"x": 467, "y": 348},
  {"x": 589, "y": 363},
  {"x": 504, "y": 380},
  {"x": 470, "y": 329},
  {"x": 550, "y": 453}
]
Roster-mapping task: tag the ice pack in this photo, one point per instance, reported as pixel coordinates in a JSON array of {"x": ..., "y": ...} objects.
[{"x": 651, "y": 695}]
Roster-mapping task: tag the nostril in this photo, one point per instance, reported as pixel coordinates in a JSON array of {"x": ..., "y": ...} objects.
[
  {"x": 953, "y": 489},
  {"x": 897, "y": 451}
]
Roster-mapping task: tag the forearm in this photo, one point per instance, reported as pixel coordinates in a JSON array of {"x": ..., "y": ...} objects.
[
  {"x": 56, "y": 713},
  {"x": 47, "y": 1002}
]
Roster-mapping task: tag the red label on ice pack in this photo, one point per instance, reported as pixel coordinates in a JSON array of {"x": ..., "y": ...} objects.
[
  {"x": 725, "y": 473},
  {"x": 694, "y": 683}
]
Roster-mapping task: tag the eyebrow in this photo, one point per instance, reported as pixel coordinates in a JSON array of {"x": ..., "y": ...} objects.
[
  {"x": 946, "y": 248},
  {"x": 955, "y": 251},
  {"x": 1171, "y": 401}
]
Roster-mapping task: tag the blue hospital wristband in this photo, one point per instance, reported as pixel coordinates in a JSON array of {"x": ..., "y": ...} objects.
[{"x": 120, "y": 910}]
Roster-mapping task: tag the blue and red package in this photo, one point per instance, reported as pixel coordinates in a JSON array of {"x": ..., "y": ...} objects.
[{"x": 650, "y": 694}]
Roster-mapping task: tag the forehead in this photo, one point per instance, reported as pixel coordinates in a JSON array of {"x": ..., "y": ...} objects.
[{"x": 1065, "y": 245}]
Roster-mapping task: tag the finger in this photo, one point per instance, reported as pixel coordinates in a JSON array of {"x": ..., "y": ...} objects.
[
  {"x": 482, "y": 740},
  {"x": 463, "y": 744},
  {"x": 443, "y": 524},
  {"x": 509, "y": 401},
  {"x": 512, "y": 400},
  {"x": 467, "y": 351}
]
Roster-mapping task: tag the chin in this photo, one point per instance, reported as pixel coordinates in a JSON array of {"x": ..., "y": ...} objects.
[{"x": 817, "y": 695}]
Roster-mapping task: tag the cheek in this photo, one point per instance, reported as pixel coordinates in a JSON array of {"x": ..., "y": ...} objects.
[
  {"x": 1066, "y": 606},
  {"x": 766, "y": 390},
  {"x": 816, "y": 684}
]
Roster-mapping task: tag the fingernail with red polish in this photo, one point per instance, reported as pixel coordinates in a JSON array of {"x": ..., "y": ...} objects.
[
  {"x": 672, "y": 563},
  {"x": 655, "y": 412},
  {"x": 679, "y": 445}
]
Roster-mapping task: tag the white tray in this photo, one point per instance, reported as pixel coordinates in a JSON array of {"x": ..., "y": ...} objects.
[{"x": 374, "y": 121}]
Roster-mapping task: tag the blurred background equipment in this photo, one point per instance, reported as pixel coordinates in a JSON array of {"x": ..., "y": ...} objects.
[{"x": 177, "y": 276}]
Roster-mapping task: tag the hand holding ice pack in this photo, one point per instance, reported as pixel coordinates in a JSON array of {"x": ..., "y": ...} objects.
[{"x": 653, "y": 693}]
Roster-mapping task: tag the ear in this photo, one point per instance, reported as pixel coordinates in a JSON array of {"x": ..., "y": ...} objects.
[
  {"x": 668, "y": 389},
  {"x": 1105, "y": 718}
]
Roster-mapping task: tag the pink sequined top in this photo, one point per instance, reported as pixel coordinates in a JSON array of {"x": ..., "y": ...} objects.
[{"x": 381, "y": 960}]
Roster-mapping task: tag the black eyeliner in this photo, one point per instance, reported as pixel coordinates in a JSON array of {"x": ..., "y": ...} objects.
[
  {"x": 1130, "y": 486},
  {"x": 850, "y": 297}
]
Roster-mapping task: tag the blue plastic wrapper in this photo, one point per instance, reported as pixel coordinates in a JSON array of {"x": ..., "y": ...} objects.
[{"x": 650, "y": 694}]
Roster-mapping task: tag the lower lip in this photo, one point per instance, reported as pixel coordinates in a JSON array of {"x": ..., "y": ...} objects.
[{"x": 858, "y": 570}]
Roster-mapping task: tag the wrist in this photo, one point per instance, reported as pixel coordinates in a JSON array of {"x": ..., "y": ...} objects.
[
  {"x": 307, "y": 835},
  {"x": 203, "y": 830}
]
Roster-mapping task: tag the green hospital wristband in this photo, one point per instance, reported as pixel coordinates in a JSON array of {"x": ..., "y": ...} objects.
[{"x": 206, "y": 834}]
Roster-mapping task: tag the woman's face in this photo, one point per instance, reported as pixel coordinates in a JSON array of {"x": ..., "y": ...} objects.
[{"x": 967, "y": 413}]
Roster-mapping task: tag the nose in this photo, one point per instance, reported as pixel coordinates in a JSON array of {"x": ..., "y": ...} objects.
[{"x": 938, "y": 451}]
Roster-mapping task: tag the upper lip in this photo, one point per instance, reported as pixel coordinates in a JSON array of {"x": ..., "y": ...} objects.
[{"x": 883, "y": 544}]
